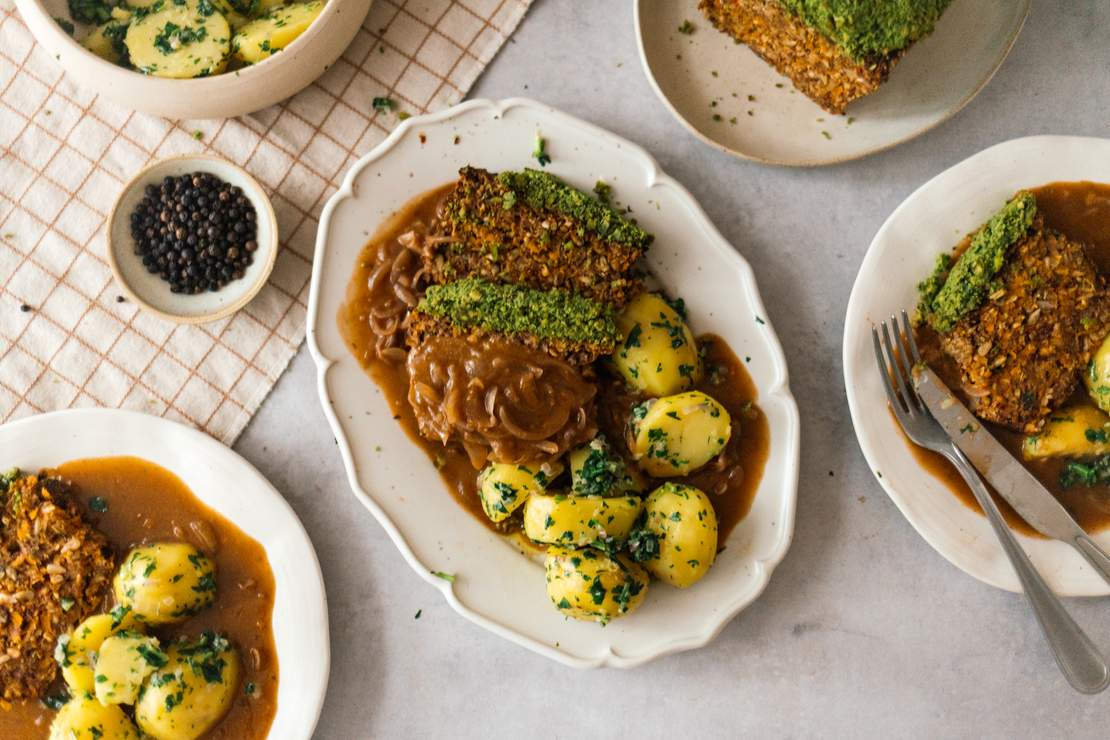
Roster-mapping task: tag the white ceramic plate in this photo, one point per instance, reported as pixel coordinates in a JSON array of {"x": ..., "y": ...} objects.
[
  {"x": 496, "y": 587},
  {"x": 927, "y": 223},
  {"x": 934, "y": 80},
  {"x": 231, "y": 486},
  {"x": 220, "y": 96}
]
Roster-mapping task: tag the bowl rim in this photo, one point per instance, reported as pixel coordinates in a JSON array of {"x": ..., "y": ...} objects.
[
  {"x": 199, "y": 84},
  {"x": 272, "y": 247}
]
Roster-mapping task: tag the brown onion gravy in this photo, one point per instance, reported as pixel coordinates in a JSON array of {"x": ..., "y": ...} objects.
[
  {"x": 147, "y": 503},
  {"x": 1082, "y": 211},
  {"x": 731, "y": 483}
]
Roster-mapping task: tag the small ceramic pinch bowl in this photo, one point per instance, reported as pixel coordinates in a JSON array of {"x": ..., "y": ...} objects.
[{"x": 152, "y": 293}]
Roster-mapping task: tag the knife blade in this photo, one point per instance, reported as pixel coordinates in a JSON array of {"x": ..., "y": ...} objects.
[{"x": 1021, "y": 489}]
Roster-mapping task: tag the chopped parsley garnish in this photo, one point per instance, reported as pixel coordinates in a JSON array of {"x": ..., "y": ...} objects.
[
  {"x": 172, "y": 37},
  {"x": 152, "y": 655},
  {"x": 384, "y": 104},
  {"x": 449, "y": 577},
  {"x": 1095, "y": 435},
  {"x": 686, "y": 28},
  {"x": 603, "y": 191},
  {"x": 600, "y": 471},
  {"x": 90, "y": 11},
  {"x": 98, "y": 504},
  {"x": 1094, "y": 473},
  {"x": 55, "y": 701},
  {"x": 597, "y": 591},
  {"x": 540, "y": 152},
  {"x": 66, "y": 603}
]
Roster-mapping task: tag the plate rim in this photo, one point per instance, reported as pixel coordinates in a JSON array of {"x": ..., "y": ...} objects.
[
  {"x": 219, "y": 448},
  {"x": 809, "y": 163},
  {"x": 779, "y": 388},
  {"x": 854, "y": 314}
]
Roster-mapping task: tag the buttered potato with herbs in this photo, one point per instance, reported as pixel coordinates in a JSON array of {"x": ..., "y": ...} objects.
[
  {"x": 503, "y": 488},
  {"x": 577, "y": 521},
  {"x": 656, "y": 352},
  {"x": 165, "y": 583},
  {"x": 683, "y": 523},
  {"x": 106, "y": 41},
  {"x": 1097, "y": 377},
  {"x": 262, "y": 38},
  {"x": 1074, "y": 431},
  {"x": 123, "y": 662},
  {"x": 184, "y": 40},
  {"x": 676, "y": 435},
  {"x": 588, "y": 584},
  {"x": 189, "y": 694},
  {"x": 84, "y": 718},
  {"x": 598, "y": 471},
  {"x": 76, "y": 652}
]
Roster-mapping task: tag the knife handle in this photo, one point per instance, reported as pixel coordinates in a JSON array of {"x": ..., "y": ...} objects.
[
  {"x": 1078, "y": 658},
  {"x": 1095, "y": 555}
]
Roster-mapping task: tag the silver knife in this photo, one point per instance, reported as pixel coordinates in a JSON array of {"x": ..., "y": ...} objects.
[{"x": 1005, "y": 473}]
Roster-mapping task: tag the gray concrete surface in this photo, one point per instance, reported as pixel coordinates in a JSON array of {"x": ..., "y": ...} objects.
[{"x": 864, "y": 630}]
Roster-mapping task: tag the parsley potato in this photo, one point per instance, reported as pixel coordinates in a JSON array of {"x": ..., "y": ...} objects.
[
  {"x": 577, "y": 521},
  {"x": 188, "y": 695},
  {"x": 1074, "y": 431},
  {"x": 76, "y": 651},
  {"x": 676, "y": 435},
  {"x": 84, "y": 718},
  {"x": 597, "y": 471},
  {"x": 122, "y": 664},
  {"x": 590, "y": 585},
  {"x": 656, "y": 352},
  {"x": 106, "y": 41},
  {"x": 180, "y": 41},
  {"x": 503, "y": 487},
  {"x": 165, "y": 582},
  {"x": 262, "y": 38},
  {"x": 1097, "y": 377},
  {"x": 684, "y": 523}
]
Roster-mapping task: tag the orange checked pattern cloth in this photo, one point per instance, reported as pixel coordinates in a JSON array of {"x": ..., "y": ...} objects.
[{"x": 67, "y": 338}]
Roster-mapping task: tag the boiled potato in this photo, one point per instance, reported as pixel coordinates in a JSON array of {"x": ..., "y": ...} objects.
[
  {"x": 676, "y": 435},
  {"x": 165, "y": 582},
  {"x": 76, "y": 651},
  {"x": 84, "y": 718},
  {"x": 577, "y": 521},
  {"x": 597, "y": 471},
  {"x": 122, "y": 664},
  {"x": 180, "y": 41},
  {"x": 260, "y": 39},
  {"x": 1097, "y": 377},
  {"x": 684, "y": 524},
  {"x": 503, "y": 488},
  {"x": 1076, "y": 431},
  {"x": 587, "y": 584},
  {"x": 237, "y": 13},
  {"x": 189, "y": 694},
  {"x": 656, "y": 351},
  {"x": 106, "y": 41}
]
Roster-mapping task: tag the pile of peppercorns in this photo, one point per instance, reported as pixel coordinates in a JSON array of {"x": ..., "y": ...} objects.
[{"x": 195, "y": 231}]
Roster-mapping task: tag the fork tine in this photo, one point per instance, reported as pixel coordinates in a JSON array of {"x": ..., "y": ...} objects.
[
  {"x": 910, "y": 338},
  {"x": 896, "y": 403},
  {"x": 902, "y": 339},
  {"x": 896, "y": 366}
]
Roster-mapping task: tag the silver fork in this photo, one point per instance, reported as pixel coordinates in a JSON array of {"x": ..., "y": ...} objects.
[{"x": 1078, "y": 658}]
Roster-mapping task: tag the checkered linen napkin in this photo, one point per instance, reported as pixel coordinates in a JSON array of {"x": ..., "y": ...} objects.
[{"x": 67, "y": 338}]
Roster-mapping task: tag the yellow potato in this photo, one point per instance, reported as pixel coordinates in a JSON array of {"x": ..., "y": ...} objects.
[
  {"x": 123, "y": 663},
  {"x": 1097, "y": 376},
  {"x": 1075, "y": 431},
  {"x": 577, "y": 521},
  {"x": 262, "y": 38},
  {"x": 237, "y": 13},
  {"x": 503, "y": 488},
  {"x": 106, "y": 41},
  {"x": 656, "y": 352},
  {"x": 165, "y": 583},
  {"x": 194, "y": 689},
  {"x": 179, "y": 41},
  {"x": 676, "y": 435},
  {"x": 84, "y": 718},
  {"x": 587, "y": 584},
  {"x": 76, "y": 651},
  {"x": 597, "y": 471},
  {"x": 684, "y": 525}
]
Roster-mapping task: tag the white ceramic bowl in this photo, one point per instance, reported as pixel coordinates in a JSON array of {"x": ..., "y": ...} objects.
[
  {"x": 152, "y": 293},
  {"x": 220, "y": 96},
  {"x": 231, "y": 486},
  {"x": 494, "y": 586},
  {"x": 927, "y": 223}
]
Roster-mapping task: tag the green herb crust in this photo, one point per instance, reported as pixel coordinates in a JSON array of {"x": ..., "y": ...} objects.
[
  {"x": 530, "y": 228},
  {"x": 866, "y": 29},
  {"x": 968, "y": 282},
  {"x": 559, "y": 322}
]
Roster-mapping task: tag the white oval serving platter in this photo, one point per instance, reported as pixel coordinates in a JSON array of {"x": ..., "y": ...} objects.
[
  {"x": 931, "y": 221},
  {"x": 494, "y": 585},
  {"x": 710, "y": 84},
  {"x": 231, "y": 486}
]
